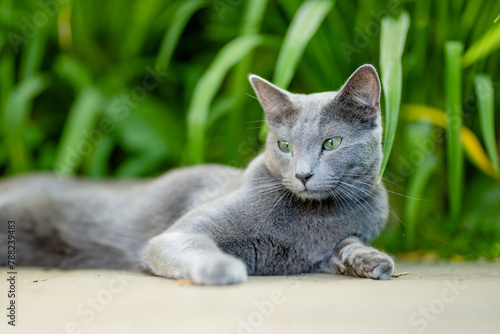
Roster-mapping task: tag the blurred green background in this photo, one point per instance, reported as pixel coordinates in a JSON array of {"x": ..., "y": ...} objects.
[{"x": 129, "y": 88}]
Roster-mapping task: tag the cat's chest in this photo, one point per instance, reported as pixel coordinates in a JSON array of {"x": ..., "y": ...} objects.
[
  {"x": 287, "y": 236},
  {"x": 272, "y": 255},
  {"x": 287, "y": 244}
]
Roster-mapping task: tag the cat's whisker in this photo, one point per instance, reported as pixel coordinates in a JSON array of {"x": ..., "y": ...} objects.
[
  {"x": 338, "y": 197},
  {"x": 266, "y": 191},
  {"x": 266, "y": 101},
  {"x": 274, "y": 109},
  {"x": 351, "y": 192},
  {"x": 276, "y": 203},
  {"x": 376, "y": 198},
  {"x": 366, "y": 191},
  {"x": 290, "y": 198},
  {"x": 267, "y": 186},
  {"x": 264, "y": 122},
  {"x": 255, "y": 127},
  {"x": 382, "y": 178},
  {"x": 390, "y": 191},
  {"x": 358, "y": 199},
  {"x": 268, "y": 183},
  {"x": 267, "y": 178},
  {"x": 253, "y": 97},
  {"x": 263, "y": 189},
  {"x": 257, "y": 121}
]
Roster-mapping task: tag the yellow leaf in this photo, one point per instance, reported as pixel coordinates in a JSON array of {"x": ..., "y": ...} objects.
[{"x": 472, "y": 146}]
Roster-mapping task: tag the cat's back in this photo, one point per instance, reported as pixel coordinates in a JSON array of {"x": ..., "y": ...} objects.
[
  {"x": 189, "y": 187},
  {"x": 40, "y": 187},
  {"x": 174, "y": 192},
  {"x": 186, "y": 187}
]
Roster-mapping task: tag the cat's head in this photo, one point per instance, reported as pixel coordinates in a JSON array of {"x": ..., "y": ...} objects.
[{"x": 318, "y": 142}]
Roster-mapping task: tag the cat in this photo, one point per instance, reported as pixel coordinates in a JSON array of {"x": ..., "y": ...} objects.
[{"x": 307, "y": 203}]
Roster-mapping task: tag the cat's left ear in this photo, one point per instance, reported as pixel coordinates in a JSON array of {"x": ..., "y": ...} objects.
[
  {"x": 276, "y": 102},
  {"x": 363, "y": 89}
]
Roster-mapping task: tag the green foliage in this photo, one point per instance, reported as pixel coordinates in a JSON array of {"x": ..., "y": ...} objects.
[
  {"x": 81, "y": 119},
  {"x": 487, "y": 44},
  {"x": 392, "y": 42},
  {"x": 172, "y": 35},
  {"x": 304, "y": 25},
  {"x": 415, "y": 191},
  {"x": 302, "y": 28},
  {"x": 486, "y": 106},
  {"x": 132, "y": 88},
  {"x": 453, "y": 94},
  {"x": 206, "y": 88},
  {"x": 15, "y": 119}
]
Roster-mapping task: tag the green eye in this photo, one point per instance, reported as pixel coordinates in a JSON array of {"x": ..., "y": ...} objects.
[
  {"x": 332, "y": 143},
  {"x": 285, "y": 146}
]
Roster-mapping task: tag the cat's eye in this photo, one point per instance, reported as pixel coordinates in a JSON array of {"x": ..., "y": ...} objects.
[
  {"x": 332, "y": 143},
  {"x": 285, "y": 146}
]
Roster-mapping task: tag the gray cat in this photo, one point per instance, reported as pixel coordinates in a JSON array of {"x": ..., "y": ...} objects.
[{"x": 306, "y": 204}]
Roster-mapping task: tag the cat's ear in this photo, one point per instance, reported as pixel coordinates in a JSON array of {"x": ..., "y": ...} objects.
[
  {"x": 275, "y": 101},
  {"x": 363, "y": 89}
]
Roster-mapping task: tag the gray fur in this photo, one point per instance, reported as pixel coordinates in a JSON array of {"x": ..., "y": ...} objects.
[{"x": 216, "y": 225}]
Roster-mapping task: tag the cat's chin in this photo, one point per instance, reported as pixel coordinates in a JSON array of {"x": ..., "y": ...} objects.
[{"x": 311, "y": 195}]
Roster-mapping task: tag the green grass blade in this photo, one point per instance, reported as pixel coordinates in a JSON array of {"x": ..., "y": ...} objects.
[
  {"x": 252, "y": 20},
  {"x": 16, "y": 113},
  {"x": 453, "y": 94},
  {"x": 99, "y": 161},
  {"x": 140, "y": 165},
  {"x": 150, "y": 134},
  {"x": 83, "y": 35},
  {"x": 488, "y": 43},
  {"x": 304, "y": 25},
  {"x": 205, "y": 90},
  {"x": 32, "y": 54},
  {"x": 485, "y": 101},
  {"x": 75, "y": 142},
  {"x": 471, "y": 145},
  {"x": 416, "y": 186},
  {"x": 392, "y": 42},
  {"x": 470, "y": 13},
  {"x": 136, "y": 33},
  {"x": 254, "y": 14},
  {"x": 7, "y": 77},
  {"x": 153, "y": 127},
  {"x": 73, "y": 71},
  {"x": 171, "y": 37}
]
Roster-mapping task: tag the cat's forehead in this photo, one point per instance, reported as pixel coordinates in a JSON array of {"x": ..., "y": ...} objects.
[
  {"x": 315, "y": 101},
  {"x": 313, "y": 117},
  {"x": 312, "y": 113}
]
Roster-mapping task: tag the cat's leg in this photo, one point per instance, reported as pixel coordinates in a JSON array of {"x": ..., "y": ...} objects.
[
  {"x": 352, "y": 257},
  {"x": 194, "y": 257}
]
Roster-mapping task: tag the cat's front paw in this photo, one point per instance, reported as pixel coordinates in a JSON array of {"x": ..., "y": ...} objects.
[
  {"x": 217, "y": 270},
  {"x": 371, "y": 263}
]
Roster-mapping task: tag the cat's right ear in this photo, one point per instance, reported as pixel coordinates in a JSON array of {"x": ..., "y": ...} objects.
[
  {"x": 275, "y": 101},
  {"x": 363, "y": 89}
]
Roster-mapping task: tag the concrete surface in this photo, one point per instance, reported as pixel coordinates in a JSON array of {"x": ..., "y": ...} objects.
[{"x": 433, "y": 298}]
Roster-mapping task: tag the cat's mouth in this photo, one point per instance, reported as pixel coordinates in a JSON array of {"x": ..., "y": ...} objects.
[
  {"x": 311, "y": 194},
  {"x": 307, "y": 191}
]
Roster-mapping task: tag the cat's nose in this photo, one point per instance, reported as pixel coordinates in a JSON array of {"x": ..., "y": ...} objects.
[{"x": 303, "y": 177}]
